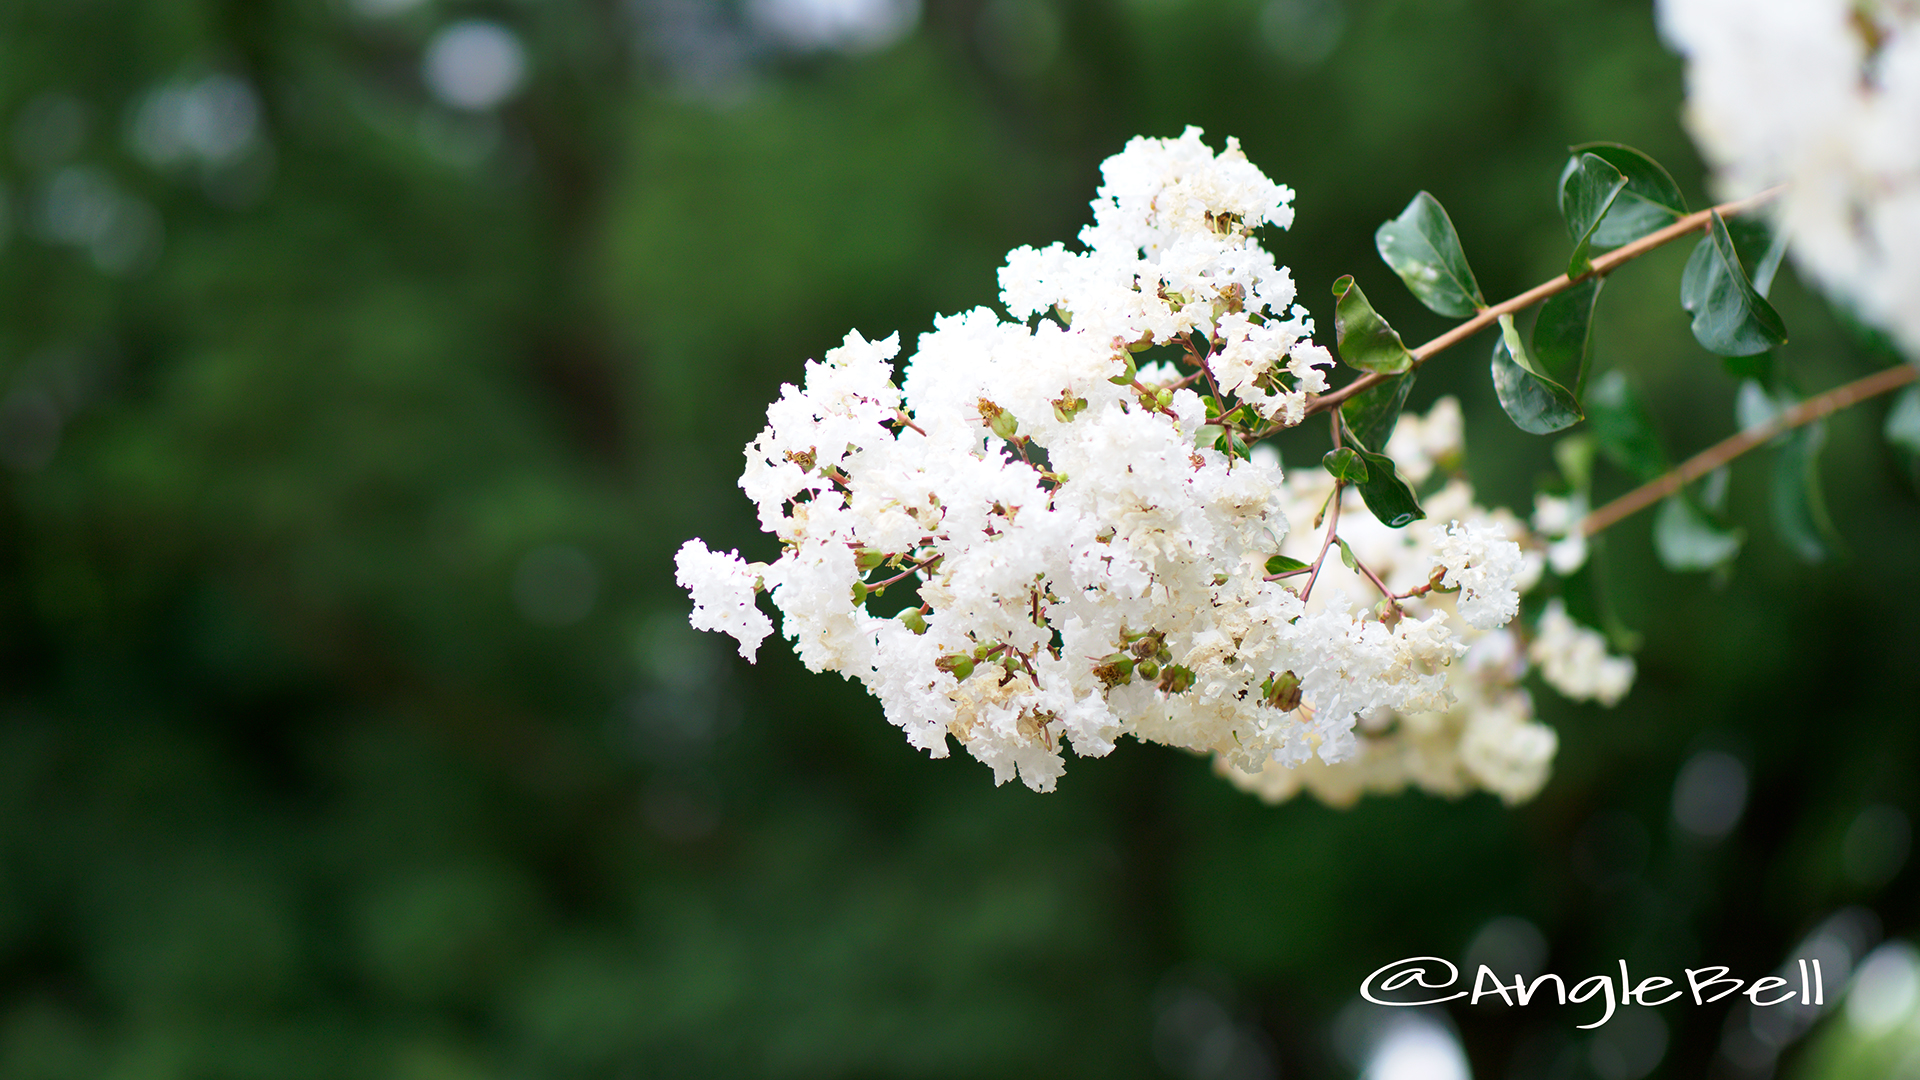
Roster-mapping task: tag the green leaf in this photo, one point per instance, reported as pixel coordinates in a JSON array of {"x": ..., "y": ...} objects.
[
  {"x": 1563, "y": 335},
  {"x": 1753, "y": 407},
  {"x": 1364, "y": 339},
  {"x": 1903, "y": 421},
  {"x": 1536, "y": 404},
  {"x": 1586, "y": 599},
  {"x": 1587, "y": 191},
  {"x": 1713, "y": 490},
  {"x": 1422, "y": 247},
  {"x": 1758, "y": 366},
  {"x": 1346, "y": 553},
  {"x": 1386, "y": 494},
  {"x": 1281, "y": 564},
  {"x": 1758, "y": 247},
  {"x": 1730, "y": 317},
  {"x": 1345, "y": 465},
  {"x": 1621, "y": 425},
  {"x": 1574, "y": 456},
  {"x": 1650, "y": 202},
  {"x": 1799, "y": 508},
  {"x": 1687, "y": 538},
  {"x": 1370, "y": 415},
  {"x": 1767, "y": 264}
]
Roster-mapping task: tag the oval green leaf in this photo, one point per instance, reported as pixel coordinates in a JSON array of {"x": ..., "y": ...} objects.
[
  {"x": 1799, "y": 508},
  {"x": 1363, "y": 338},
  {"x": 1345, "y": 465},
  {"x": 1730, "y": 317},
  {"x": 1281, "y": 564},
  {"x": 1651, "y": 201},
  {"x": 1535, "y": 403},
  {"x": 1388, "y": 496},
  {"x": 1587, "y": 191},
  {"x": 1370, "y": 416},
  {"x": 1423, "y": 248},
  {"x": 1623, "y": 429},
  {"x": 1563, "y": 335},
  {"x": 1687, "y": 538}
]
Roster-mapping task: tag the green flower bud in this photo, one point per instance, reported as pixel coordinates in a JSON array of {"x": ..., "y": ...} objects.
[
  {"x": 1115, "y": 670},
  {"x": 913, "y": 620},
  {"x": 1283, "y": 691},
  {"x": 1174, "y": 679},
  {"x": 957, "y": 665}
]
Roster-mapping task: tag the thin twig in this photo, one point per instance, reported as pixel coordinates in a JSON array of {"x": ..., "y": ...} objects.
[
  {"x": 1602, "y": 266},
  {"x": 1733, "y": 446},
  {"x": 1377, "y": 583},
  {"x": 908, "y": 572},
  {"x": 1333, "y": 519}
]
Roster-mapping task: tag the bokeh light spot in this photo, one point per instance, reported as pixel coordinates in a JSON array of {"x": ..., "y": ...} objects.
[{"x": 475, "y": 65}]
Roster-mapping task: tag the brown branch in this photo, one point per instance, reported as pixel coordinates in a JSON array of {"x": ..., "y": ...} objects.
[
  {"x": 1602, "y": 266},
  {"x": 1377, "y": 583},
  {"x": 1732, "y": 447}
]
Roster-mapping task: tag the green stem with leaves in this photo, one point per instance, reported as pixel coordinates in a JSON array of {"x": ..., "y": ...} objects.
[{"x": 1602, "y": 266}]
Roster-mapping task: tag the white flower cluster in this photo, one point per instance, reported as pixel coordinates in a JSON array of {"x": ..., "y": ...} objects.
[
  {"x": 1823, "y": 95},
  {"x": 1170, "y": 252},
  {"x": 1559, "y": 519},
  {"x": 1481, "y": 735},
  {"x": 1574, "y": 660},
  {"x": 1088, "y": 565}
]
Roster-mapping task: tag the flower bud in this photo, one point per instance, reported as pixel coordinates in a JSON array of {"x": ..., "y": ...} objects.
[
  {"x": 1174, "y": 679},
  {"x": 1148, "y": 670},
  {"x": 1283, "y": 691},
  {"x": 1115, "y": 670},
  {"x": 956, "y": 664},
  {"x": 913, "y": 620}
]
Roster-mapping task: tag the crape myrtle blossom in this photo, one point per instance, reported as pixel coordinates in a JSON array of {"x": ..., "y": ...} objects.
[
  {"x": 1090, "y": 556},
  {"x": 1559, "y": 519},
  {"x": 1824, "y": 96},
  {"x": 1480, "y": 734},
  {"x": 1573, "y": 659},
  {"x": 722, "y": 587}
]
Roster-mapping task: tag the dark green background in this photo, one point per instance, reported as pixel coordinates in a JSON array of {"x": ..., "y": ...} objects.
[{"x": 291, "y": 786}]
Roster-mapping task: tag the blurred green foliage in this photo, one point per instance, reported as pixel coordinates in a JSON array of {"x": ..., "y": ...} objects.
[{"x": 351, "y": 726}]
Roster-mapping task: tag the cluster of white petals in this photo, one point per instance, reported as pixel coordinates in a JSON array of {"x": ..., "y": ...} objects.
[
  {"x": 1088, "y": 565},
  {"x": 1482, "y": 564},
  {"x": 1823, "y": 95},
  {"x": 722, "y": 587},
  {"x": 1574, "y": 659},
  {"x": 1559, "y": 520},
  {"x": 1475, "y": 730}
]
